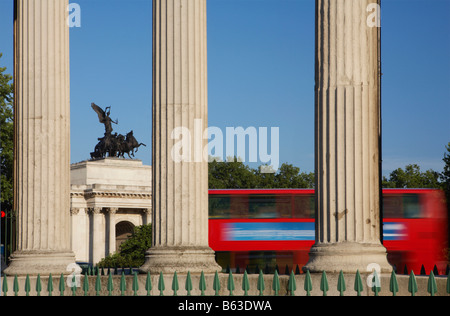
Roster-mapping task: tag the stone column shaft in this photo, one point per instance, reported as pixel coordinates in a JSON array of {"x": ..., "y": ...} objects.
[
  {"x": 112, "y": 229},
  {"x": 180, "y": 187},
  {"x": 42, "y": 137},
  {"x": 347, "y": 138}
]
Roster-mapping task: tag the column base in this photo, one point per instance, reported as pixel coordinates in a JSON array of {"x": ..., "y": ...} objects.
[
  {"x": 41, "y": 262},
  {"x": 180, "y": 259},
  {"x": 348, "y": 257}
]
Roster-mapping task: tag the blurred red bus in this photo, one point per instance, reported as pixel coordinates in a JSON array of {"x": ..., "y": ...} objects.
[{"x": 275, "y": 227}]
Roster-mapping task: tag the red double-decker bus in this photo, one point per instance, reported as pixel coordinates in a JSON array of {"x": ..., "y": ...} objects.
[{"x": 275, "y": 227}]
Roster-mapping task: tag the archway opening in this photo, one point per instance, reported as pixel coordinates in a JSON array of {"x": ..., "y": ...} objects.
[{"x": 124, "y": 230}]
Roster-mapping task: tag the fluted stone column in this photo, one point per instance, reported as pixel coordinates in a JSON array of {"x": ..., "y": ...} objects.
[
  {"x": 42, "y": 138},
  {"x": 347, "y": 140},
  {"x": 97, "y": 231},
  {"x": 180, "y": 185},
  {"x": 112, "y": 229}
]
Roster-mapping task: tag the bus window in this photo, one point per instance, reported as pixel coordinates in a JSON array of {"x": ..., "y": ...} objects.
[
  {"x": 303, "y": 206},
  {"x": 219, "y": 206},
  {"x": 402, "y": 206},
  {"x": 264, "y": 206},
  {"x": 239, "y": 206}
]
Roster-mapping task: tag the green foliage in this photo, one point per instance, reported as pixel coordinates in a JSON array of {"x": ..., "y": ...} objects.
[
  {"x": 412, "y": 177},
  {"x": 6, "y": 139},
  {"x": 445, "y": 175},
  {"x": 132, "y": 251},
  {"x": 234, "y": 174}
]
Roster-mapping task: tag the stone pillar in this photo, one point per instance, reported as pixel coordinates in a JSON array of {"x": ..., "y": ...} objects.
[
  {"x": 97, "y": 240},
  {"x": 347, "y": 140},
  {"x": 42, "y": 138},
  {"x": 180, "y": 185},
  {"x": 112, "y": 229},
  {"x": 146, "y": 213}
]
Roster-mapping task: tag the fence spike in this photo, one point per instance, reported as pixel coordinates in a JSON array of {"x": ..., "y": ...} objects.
[
  {"x": 98, "y": 285},
  {"x": 358, "y": 286},
  {"x": 261, "y": 286},
  {"x": 74, "y": 285},
  {"x": 62, "y": 285},
  {"x": 110, "y": 285},
  {"x": 216, "y": 284},
  {"x": 188, "y": 285},
  {"x": 123, "y": 283},
  {"x": 38, "y": 285},
  {"x": 27, "y": 285},
  {"x": 86, "y": 283},
  {"x": 5, "y": 286},
  {"x": 286, "y": 270},
  {"x": 50, "y": 285},
  {"x": 422, "y": 270},
  {"x": 230, "y": 284},
  {"x": 324, "y": 283},
  {"x": 393, "y": 284},
  {"x": 161, "y": 286},
  {"x": 436, "y": 270},
  {"x": 16, "y": 286},
  {"x": 376, "y": 287},
  {"x": 148, "y": 283},
  {"x": 175, "y": 286},
  {"x": 432, "y": 286},
  {"x": 412, "y": 284},
  {"x": 245, "y": 284},
  {"x": 202, "y": 284},
  {"x": 292, "y": 286},
  {"x": 135, "y": 285},
  {"x": 308, "y": 283},
  {"x": 276, "y": 283},
  {"x": 341, "y": 284}
]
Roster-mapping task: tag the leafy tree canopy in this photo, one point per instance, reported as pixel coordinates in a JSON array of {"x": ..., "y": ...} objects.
[
  {"x": 132, "y": 251},
  {"x": 6, "y": 139},
  {"x": 234, "y": 174},
  {"x": 412, "y": 177}
]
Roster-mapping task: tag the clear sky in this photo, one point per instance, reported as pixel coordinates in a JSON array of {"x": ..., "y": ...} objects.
[{"x": 260, "y": 73}]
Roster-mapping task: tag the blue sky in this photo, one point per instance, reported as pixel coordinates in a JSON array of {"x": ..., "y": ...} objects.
[{"x": 260, "y": 73}]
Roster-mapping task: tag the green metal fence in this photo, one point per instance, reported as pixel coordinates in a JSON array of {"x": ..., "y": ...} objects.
[{"x": 104, "y": 285}]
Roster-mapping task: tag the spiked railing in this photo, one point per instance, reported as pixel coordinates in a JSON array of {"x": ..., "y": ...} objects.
[{"x": 64, "y": 287}]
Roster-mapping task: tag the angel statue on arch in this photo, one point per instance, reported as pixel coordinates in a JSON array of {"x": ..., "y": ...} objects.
[{"x": 103, "y": 117}]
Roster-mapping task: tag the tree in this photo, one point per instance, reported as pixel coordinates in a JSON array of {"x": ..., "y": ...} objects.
[
  {"x": 445, "y": 175},
  {"x": 6, "y": 139},
  {"x": 412, "y": 177},
  {"x": 445, "y": 182},
  {"x": 132, "y": 251},
  {"x": 234, "y": 174}
]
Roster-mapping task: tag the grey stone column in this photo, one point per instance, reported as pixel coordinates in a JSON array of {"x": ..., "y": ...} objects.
[
  {"x": 97, "y": 238},
  {"x": 42, "y": 138},
  {"x": 347, "y": 140},
  {"x": 112, "y": 229},
  {"x": 180, "y": 185}
]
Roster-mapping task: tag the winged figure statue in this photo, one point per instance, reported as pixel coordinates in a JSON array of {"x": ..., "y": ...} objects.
[{"x": 103, "y": 117}]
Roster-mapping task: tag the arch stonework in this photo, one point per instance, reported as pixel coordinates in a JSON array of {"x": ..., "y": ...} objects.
[{"x": 347, "y": 85}]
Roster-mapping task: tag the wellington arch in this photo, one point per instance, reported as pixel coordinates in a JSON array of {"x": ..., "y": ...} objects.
[{"x": 347, "y": 138}]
